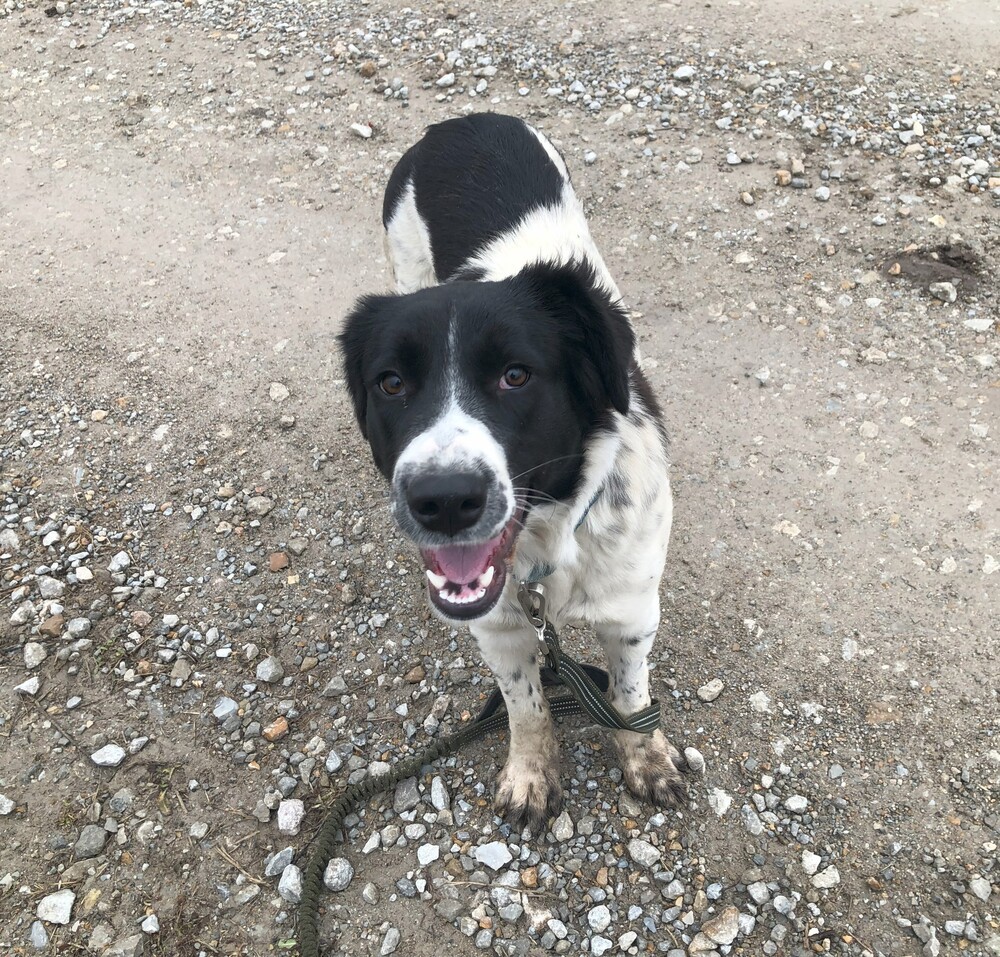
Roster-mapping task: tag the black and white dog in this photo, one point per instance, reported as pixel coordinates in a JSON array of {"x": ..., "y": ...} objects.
[{"x": 501, "y": 397}]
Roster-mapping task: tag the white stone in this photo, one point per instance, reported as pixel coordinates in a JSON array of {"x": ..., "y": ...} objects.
[
  {"x": 110, "y": 756},
  {"x": 810, "y": 862},
  {"x": 34, "y": 654},
  {"x": 151, "y": 925},
  {"x": 338, "y": 874},
  {"x": 599, "y": 918},
  {"x": 796, "y": 803},
  {"x": 290, "y": 884},
  {"x": 826, "y": 878},
  {"x": 719, "y": 801},
  {"x": 56, "y": 908},
  {"x": 494, "y": 855},
  {"x": 562, "y": 827},
  {"x": 711, "y": 690},
  {"x": 291, "y": 813},
  {"x": 643, "y": 853},
  {"x": 427, "y": 853}
]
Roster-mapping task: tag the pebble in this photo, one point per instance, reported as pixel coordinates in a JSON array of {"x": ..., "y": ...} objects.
[
  {"x": 290, "y": 884},
  {"x": 362, "y": 129},
  {"x": 830, "y": 877},
  {"x": 643, "y": 853},
  {"x": 695, "y": 760},
  {"x": 38, "y": 936},
  {"x": 90, "y": 842},
  {"x": 427, "y": 853},
  {"x": 823, "y": 194},
  {"x": 711, "y": 690},
  {"x": 944, "y": 291},
  {"x": 338, "y": 874},
  {"x": 34, "y": 654},
  {"x": 259, "y": 505},
  {"x": 270, "y": 670},
  {"x": 724, "y": 928},
  {"x": 390, "y": 942},
  {"x": 291, "y": 812},
  {"x": 981, "y": 888},
  {"x": 600, "y": 945},
  {"x": 278, "y": 862},
  {"x": 110, "y": 756},
  {"x": 7, "y": 806},
  {"x": 797, "y": 803},
  {"x": 562, "y": 827},
  {"x": 56, "y": 908},
  {"x": 151, "y": 925},
  {"x": 810, "y": 862},
  {"x": 78, "y": 628},
  {"x": 685, "y": 72},
  {"x": 599, "y": 918},
  {"x": 494, "y": 855}
]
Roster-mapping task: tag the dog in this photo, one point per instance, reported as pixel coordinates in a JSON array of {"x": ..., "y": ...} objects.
[{"x": 501, "y": 395}]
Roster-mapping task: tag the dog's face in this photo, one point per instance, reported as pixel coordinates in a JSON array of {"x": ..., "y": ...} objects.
[{"x": 477, "y": 399}]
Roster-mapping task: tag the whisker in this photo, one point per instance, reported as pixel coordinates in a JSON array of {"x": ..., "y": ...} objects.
[{"x": 541, "y": 465}]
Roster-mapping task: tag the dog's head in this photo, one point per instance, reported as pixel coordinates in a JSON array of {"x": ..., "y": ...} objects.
[{"x": 477, "y": 399}]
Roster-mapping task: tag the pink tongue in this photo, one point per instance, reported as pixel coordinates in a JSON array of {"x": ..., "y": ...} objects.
[{"x": 463, "y": 564}]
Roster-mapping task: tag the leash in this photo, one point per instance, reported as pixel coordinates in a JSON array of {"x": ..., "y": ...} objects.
[{"x": 588, "y": 686}]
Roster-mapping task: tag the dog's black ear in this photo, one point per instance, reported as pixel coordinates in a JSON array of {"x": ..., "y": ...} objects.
[
  {"x": 361, "y": 329},
  {"x": 594, "y": 327}
]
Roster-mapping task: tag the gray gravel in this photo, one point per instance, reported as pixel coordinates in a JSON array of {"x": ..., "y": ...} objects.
[{"x": 219, "y": 638}]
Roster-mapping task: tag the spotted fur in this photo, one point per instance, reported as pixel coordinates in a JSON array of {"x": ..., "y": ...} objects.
[{"x": 487, "y": 237}]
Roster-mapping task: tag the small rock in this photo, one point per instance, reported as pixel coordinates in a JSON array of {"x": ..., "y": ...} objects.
[
  {"x": 38, "y": 936},
  {"x": 427, "y": 853},
  {"x": 600, "y": 945},
  {"x": 823, "y": 194},
  {"x": 56, "y": 908},
  {"x": 78, "y": 628},
  {"x": 127, "y": 947},
  {"x": 6, "y": 806},
  {"x": 711, "y": 690},
  {"x": 724, "y": 928},
  {"x": 599, "y": 918},
  {"x": 562, "y": 827},
  {"x": 291, "y": 812},
  {"x": 34, "y": 654},
  {"x": 797, "y": 803},
  {"x": 151, "y": 925},
  {"x": 684, "y": 73},
  {"x": 944, "y": 291},
  {"x": 494, "y": 855},
  {"x": 119, "y": 563},
  {"x": 278, "y": 392},
  {"x": 390, "y": 942},
  {"x": 407, "y": 796},
  {"x": 259, "y": 505},
  {"x": 338, "y": 874},
  {"x": 444, "y": 81},
  {"x": 290, "y": 884},
  {"x": 695, "y": 760},
  {"x": 981, "y": 888},
  {"x": 643, "y": 853},
  {"x": 110, "y": 756},
  {"x": 810, "y": 862},
  {"x": 276, "y": 864},
  {"x": 826, "y": 878},
  {"x": 270, "y": 669},
  {"x": 90, "y": 843}
]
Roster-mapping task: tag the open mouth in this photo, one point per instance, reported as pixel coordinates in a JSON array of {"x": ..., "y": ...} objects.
[{"x": 465, "y": 581}]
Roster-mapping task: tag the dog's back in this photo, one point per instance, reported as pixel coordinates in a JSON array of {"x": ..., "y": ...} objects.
[{"x": 481, "y": 197}]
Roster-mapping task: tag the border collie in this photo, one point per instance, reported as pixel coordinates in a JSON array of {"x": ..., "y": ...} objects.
[{"x": 502, "y": 399}]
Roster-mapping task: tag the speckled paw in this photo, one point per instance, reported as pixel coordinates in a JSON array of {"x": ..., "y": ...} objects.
[
  {"x": 528, "y": 794},
  {"x": 652, "y": 767}
]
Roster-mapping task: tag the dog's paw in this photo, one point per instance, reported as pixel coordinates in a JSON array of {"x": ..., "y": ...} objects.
[
  {"x": 652, "y": 768},
  {"x": 528, "y": 793}
]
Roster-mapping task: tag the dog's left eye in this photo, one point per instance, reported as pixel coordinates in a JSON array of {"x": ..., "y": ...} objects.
[{"x": 514, "y": 378}]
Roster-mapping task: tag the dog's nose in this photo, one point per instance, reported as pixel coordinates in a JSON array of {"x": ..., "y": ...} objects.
[{"x": 447, "y": 503}]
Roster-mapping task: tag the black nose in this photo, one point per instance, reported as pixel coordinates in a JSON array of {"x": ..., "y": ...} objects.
[{"x": 447, "y": 503}]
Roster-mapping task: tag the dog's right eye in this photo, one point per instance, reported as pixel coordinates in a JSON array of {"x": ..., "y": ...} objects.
[{"x": 391, "y": 384}]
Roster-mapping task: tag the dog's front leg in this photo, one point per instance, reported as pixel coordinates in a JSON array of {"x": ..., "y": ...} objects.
[
  {"x": 528, "y": 789},
  {"x": 650, "y": 763}
]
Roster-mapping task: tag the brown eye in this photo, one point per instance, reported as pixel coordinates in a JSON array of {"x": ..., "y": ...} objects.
[
  {"x": 515, "y": 377},
  {"x": 391, "y": 384}
]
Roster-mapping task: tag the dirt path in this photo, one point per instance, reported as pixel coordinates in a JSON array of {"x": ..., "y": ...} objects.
[{"x": 186, "y": 214}]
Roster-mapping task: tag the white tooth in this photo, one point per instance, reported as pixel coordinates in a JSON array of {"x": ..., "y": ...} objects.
[
  {"x": 438, "y": 581},
  {"x": 487, "y": 577}
]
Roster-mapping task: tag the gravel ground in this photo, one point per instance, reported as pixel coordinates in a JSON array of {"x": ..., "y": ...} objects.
[{"x": 209, "y": 624}]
